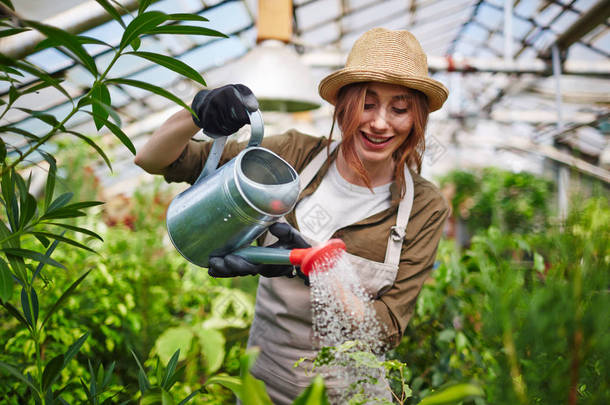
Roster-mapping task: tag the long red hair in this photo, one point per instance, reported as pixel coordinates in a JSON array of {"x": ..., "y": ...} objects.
[{"x": 348, "y": 110}]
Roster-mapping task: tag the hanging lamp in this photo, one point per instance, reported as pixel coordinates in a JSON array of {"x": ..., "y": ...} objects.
[{"x": 273, "y": 70}]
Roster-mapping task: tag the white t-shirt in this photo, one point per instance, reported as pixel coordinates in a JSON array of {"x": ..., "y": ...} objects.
[{"x": 337, "y": 203}]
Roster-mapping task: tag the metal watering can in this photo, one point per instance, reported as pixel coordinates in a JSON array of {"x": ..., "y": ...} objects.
[{"x": 228, "y": 207}]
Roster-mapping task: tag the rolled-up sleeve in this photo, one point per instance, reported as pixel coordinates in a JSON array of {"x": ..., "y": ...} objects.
[{"x": 293, "y": 146}]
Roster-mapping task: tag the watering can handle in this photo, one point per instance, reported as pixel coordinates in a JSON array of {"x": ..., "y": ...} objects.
[{"x": 256, "y": 137}]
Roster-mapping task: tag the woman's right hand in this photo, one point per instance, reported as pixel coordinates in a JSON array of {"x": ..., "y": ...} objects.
[{"x": 222, "y": 111}]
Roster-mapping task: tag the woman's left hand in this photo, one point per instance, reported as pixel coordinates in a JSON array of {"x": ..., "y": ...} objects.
[{"x": 234, "y": 265}]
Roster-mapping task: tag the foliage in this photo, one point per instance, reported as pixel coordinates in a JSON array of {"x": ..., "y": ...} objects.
[
  {"x": 31, "y": 230},
  {"x": 512, "y": 202},
  {"x": 523, "y": 315},
  {"x": 519, "y": 313}
]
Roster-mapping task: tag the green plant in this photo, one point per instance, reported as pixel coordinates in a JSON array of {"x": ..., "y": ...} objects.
[
  {"x": 512, "y": 202},
  {"x": 252, "y": 391},
  {"x": 30, "y": 231},
  {"x": 522, "y": 315}
]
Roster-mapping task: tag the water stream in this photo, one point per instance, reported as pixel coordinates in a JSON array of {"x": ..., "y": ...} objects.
[{"x": 344, "y": 318}]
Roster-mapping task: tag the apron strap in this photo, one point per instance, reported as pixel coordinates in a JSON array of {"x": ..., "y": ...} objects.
[
  {"x": 306, "y": 176},
  {"x": 398, "y": 231},
  {"x": 310, "y": 171}
]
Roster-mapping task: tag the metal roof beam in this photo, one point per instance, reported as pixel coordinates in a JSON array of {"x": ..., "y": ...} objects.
[
  {"x": 331, "y": 59},
  {"x": 596, "y": 15}
]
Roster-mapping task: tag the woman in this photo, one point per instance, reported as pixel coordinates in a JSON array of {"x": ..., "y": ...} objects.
[{"x": 366, "y": 191}]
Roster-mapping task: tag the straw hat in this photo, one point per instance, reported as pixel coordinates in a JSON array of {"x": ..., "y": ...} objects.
[{"x": 382, "y": 55}]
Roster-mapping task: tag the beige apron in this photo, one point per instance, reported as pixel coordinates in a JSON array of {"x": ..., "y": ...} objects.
[{"x": 282, "y": 325}]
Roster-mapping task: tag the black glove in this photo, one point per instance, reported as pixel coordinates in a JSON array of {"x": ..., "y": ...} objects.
[
  {"x": 234, "y": 265},
  {"x": 222, "y": 111}
]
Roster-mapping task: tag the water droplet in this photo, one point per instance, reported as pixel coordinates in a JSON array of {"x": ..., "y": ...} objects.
[{"x": 342, "y": 311}]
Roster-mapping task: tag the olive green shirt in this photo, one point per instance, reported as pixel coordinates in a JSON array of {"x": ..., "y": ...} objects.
[{"x": 366, "y": 238}]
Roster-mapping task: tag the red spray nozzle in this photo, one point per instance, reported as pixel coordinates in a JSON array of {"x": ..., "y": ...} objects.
[{"x": 317, "y": 258}]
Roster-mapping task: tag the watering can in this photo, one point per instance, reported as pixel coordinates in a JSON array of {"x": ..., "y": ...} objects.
[{"x": 228, "y": 207}]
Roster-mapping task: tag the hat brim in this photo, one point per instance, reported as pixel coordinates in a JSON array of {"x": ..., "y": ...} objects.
[{"x": 435, "y": 91}]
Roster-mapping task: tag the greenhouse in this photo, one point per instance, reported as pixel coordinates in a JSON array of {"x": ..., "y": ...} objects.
[{"x": 434, "y": 175}]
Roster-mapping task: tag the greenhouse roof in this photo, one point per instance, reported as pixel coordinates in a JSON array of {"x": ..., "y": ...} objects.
[{"x": 490, "y": 77}]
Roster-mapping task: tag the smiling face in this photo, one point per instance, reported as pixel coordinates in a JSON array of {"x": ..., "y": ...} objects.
[
  {"x": 382, "y": 128},
  {"x": 385, "y": 122}
]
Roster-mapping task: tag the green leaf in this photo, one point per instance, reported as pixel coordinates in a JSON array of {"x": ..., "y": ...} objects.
[
  {"x": 60, "y": 201},
  {"x": 75, "y": 348},
  {"x": 77, "y": 229},
  {"x": 100, "y": 97},
  {"x": 93, "y": 382},
  {"x": 28, "y": 210},
  {"x": 15, "y": 130},
  {"x": 35, "y": 71},
  {"x": 12, "y": 31},
  {"x": 139, "y": 25},
  {"x": 172, "y": 340},
  {"x": 315, "y": 394},
  {"x": 30, "y": 312},
  {"x": 538, "y": 263},
  {"x": 105, "y": 105},
  {"x": 108, "y": 375},
  {"x": 19, "y": 269},
  {"x": 135, "y": 44},
  {"x": 118, "y": 132},
  {"x": 6, "y": 281},
  {"x": 64, "y": 296},
  {"x": 62, "y": 239},
  {"x": 46, "y": 118},
  {"x": 13, "y": 94},
  {"x": 143, "y": 5},
  {"x": 69, "y": 41},
  {"x": 453, "y": 394},
  {"x": 212, "y": 344},
  {"x": 48, "y": 253},
  {"x": 166, "y": 398},
  {"x": 253, "y": 390},
  {"x": 83, "y": 39},
  {"x": 227, "y": 381},
  {"x": 186, "y": 17},
  {"x": 186, "y": 30},
  {"x": 51, "y": 371},
  {"x": 8, "y": 192},
  {"x": 87, "y": 392},
  {"x": 49, "y": 187},
  {"x": 10, "y": 70},
  {"x": 30, "y": 254},
  {"x": 63, "y": 213},
  {"x": 112, "y": 11},
  {"x": 142, "y": 378},
  {"x": 14, "y": 372},
  {"x": 15, "y": 312},
  {"x": 191, "y": 396},
  {"x": 83, "y": 204},
  {"x": 152, "y": 397},
  {"x": 172, "y": 64},
  {"x": 91, "y": 143},
  {"x": 2, "y": 151},
  {"x": 152, "y": 88},
  {"x": 170, "y": 369}
]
